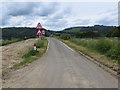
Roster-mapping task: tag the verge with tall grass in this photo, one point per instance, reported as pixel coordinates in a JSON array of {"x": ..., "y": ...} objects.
[{"x": 106, "y": 46}]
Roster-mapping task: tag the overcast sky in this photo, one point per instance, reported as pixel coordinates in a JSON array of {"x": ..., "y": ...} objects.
[{"x": 58, "y": 15}]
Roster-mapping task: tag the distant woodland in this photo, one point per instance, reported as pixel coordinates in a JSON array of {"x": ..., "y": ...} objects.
[{"x": 79, "y": 32}]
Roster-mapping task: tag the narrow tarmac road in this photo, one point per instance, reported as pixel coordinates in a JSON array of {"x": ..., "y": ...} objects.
[{"x": 61, "y": 67}]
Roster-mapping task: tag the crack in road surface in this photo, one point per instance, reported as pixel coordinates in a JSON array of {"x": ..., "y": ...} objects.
[{"x": 60, "y": 67}]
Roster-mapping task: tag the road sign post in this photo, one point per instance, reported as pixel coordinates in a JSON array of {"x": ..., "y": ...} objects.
[
  {"x": 40, "y": 31},
  {"x": 39, "y": 34}
]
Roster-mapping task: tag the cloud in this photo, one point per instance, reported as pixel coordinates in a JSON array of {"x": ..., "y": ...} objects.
[
  {"x": 17, "y": 9},
  {"x": 27, "y": 9},
  {"x": 16, "y": 21},
  {"x": 108, "y": 18},
  {"x": 119, "y": 13},
  {"x": 107, "y": 21},
  {"x": 29, "y": 14},
  {"x": 45, "y": 9},
  {"x": 82, "y": 21},
  {"x": 52, "y": 15},
  {"x": 61, "y": 13}
]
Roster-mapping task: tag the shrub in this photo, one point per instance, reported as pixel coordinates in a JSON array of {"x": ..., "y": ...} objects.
[
  {"x": 65, "y": 36},
  {"x": 87, "y": 34},
  {"x": 103, "y": 45},
  {"x": 114, "y": 52}
]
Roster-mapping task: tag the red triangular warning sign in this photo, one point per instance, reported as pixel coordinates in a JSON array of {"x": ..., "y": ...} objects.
[
  {"x": 39, "y": 26},
  {"x": 38, "y": 32}
]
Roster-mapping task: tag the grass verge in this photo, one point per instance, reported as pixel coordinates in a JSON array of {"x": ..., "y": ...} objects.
[
  {"x": 32, "y": 55},
  {"x": 102, "y": 58},
  {"x": 106, "y": 46}
]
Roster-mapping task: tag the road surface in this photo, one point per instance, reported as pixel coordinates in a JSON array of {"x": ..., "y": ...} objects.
[{"x": 61, "y": 67}]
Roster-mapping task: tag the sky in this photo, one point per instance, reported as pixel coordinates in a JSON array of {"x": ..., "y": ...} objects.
[{"x": 58, "y": 15}]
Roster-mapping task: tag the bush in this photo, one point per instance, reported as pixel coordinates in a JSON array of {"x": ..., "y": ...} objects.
[
  {"x": 87, "y": 34},
  {"x": 57, "y": 34},
  {"x": 114, "y": 52},
  {"x": 65, "y": 36},
  {"x": 114, "y": 33},
  {"x": 103, "y": 45}
]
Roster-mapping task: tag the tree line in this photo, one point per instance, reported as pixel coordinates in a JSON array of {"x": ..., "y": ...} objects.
[
  {"x": 21, "y": 33},
  {"x": 114, "y": 32},
  {"x": 84, "y": 32}
]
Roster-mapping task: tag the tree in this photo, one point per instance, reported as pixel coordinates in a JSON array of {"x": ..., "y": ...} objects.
[
  {"x": 114, "y": 33},
  {"x": 87, "y": 34},
  {"x": 65, "y": 36}
]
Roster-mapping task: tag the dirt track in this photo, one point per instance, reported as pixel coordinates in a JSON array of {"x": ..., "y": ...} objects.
[{"x": 61, "y": 67}]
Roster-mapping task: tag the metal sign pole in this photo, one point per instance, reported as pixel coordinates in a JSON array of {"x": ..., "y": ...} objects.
[
  {"x": 40, "y": 32},
  {"x": 39, "y": 37}
]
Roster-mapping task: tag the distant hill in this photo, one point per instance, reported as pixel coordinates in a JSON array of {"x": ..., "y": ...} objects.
[
  {"x": 72, "y": 30},
  {"x": 20, "y": 32},
  {"x": 97, "y": 28}
]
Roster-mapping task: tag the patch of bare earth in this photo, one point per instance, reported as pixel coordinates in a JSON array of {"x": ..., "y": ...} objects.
[{"x": 12, "y": 54}]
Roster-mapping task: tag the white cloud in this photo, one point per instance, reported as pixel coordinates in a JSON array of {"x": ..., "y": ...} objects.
[
  {"x": 59, "y": 1},
  {"x": 57, "y": 16},
  {"x": 107, "y": 18}
]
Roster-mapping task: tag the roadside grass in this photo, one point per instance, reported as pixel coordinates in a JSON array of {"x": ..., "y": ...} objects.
[
  {"x": 6, "y": 42},
  {"x": 99, "y": 49},
  {"x": 33, "y": 55},
  {"x": 106, "y": 46},
  {"x": 40, "y": 44}
]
